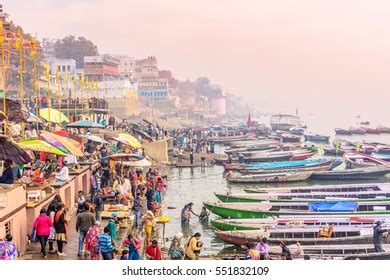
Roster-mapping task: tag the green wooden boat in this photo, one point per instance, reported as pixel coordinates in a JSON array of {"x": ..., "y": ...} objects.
[
  {"x": 266, "y": 209},
  {"x": 298, "y": 221},
  {"x": 304, "y": 197}
]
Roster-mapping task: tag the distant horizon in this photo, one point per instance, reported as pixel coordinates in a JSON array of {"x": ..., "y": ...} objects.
[{"x": 326, "y": 57}]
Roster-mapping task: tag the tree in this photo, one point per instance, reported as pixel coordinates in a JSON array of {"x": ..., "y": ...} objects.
[
  {"x": 203, "y": 87},
  {"x": 13, "y": 74},
  {"x": 71, "y": 48}
]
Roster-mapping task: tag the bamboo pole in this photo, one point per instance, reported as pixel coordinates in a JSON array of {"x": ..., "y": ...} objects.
[
  {"x": 2, "y": 41},
  {"x": 35, "y": 74},
  {"x": 75, "y": 94}
]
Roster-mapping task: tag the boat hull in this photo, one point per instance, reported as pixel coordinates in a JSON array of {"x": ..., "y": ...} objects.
[
  {"x": 241, "y": 240},
  {"x": 234, "y": 213}
]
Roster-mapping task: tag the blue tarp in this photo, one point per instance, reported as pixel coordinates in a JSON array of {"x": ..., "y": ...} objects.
[{"x": 333, "y": 206}]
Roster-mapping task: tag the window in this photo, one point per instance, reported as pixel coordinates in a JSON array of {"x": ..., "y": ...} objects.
[
  {"x": 8, "y": 228},
  {"x": 63, "y": 68},
  {"x": 68, "y": 68},
  {"x": 59, "y": 68}
]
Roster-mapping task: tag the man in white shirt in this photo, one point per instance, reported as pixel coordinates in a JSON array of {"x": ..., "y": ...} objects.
[{"x": 63, "y": 175}]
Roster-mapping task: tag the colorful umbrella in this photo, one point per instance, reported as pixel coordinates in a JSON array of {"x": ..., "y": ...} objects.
[
  {"x": 65, "y": 142},
  {"x": 138, "y": 163},
  {"x": 85, "y": 124},
  {"x": 55, "y": 115},
  {"x": 95, "y": 138},
  {"x": 33, "y": 119},
  {"x": 10, "y": 150},
  {"x": 53, "y": 142},
  {"x": 131, "y": 140},
  {"x": 14, "y": 110},
  {"x": 40, "y": 146}
]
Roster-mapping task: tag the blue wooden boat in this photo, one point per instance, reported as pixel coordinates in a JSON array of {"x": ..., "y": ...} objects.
[{"x": 285, "y": 164}]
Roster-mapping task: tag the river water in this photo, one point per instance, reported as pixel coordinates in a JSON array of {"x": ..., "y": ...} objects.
[{"x": 198, "y": 185}]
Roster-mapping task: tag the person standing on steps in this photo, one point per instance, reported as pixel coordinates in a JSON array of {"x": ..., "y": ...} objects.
[
  {"x": 60, "y": 225},
  {"x": 85, "y": 221},
  {"x": 42, "y": 227},
  {"x": 106, "y": 247}
]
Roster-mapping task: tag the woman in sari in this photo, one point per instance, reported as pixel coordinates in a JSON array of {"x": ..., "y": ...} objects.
[
  {"x": 92, "y": 241},
  {"x": 134, "y": 248},
  {"x": 60, "y": 225}
]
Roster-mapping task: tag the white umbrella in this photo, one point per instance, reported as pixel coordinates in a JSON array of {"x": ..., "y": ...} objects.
[
  {"x": 95, "y": 138},
  {"x": 138, "y": 163}
]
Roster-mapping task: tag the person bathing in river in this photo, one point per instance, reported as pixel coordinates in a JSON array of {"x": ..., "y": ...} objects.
[
  {"x": 204, "y": 216},
  {"x": 186, "y": 214}
]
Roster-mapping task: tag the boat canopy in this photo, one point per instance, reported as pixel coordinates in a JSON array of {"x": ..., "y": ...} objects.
[{"x": 333, "y": 206}]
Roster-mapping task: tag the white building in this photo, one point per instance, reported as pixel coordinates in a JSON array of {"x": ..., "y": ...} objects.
[{"x": 48, "y": 47}]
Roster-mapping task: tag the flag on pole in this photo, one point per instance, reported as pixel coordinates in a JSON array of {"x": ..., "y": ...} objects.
[
  {"x": 86, "y": 82},
  {"x": 81, "y": 81},
  {"x": 58, "y": 77},
  {"x": 47, "y": 71},
  {"x": 66, "y": 76}
]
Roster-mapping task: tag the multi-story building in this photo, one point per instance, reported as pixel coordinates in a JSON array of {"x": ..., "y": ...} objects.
[
  {"x": 101, "y": 68},
  {"x": 63, "y": 66},
  {"x": 48, "y": 48},
  {"x": 153, "y": 88},
  {"x": 126, "y": 67}
]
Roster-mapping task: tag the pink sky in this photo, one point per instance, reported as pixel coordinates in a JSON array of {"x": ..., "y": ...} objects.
[{"x": 316, "y": 55}]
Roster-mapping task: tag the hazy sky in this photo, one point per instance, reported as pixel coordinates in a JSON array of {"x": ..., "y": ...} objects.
[{"x": 317, "y": 55}]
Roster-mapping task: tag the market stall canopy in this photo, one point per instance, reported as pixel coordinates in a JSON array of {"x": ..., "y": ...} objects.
[
  {"x": 14, "y": 110},
  {"x": 55, "y": 115},
  {"x": 40, "y": 146},
  {"x": 85, "y": 124},
  {"x": 65, "y": 142},
  {"x": 138, "y": 163},
  {"x": 95, "y": 138},
  {"x": 9, "y": 149},
  {"x": 130, "y": 139}
]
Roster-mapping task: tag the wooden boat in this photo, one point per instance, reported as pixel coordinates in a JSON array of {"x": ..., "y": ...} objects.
[
  {"x": 227, "y": 139},
  {"x": 331, "y": 151},
  {"x": 270, "y": 178},
  {"x": 304, "y": 236},
  {"x": 368, "y": 173},
  {"x": 284, "y": 122},
  {"x": 316, "y": 168},
  {"x": 297, "y": 131},
  {"x": 341, "y": 131},
  {"x": 334, "y": 252},
  {"x": 269, "y": 157},
  {"x": 286, "y": 164},
  {"x": 290, "y": 138},
  {"x": 323, "y": 188},
  {"x": 303, "y": 197},
  {"x": 269, "y": 145},
  {"x": 369, "y": 130},
  {"x": 384, "y": 157},
  {"x": 383, "y": 129},
  {"x": 382, "y": 149},
  {"x": 357, "y": 130},
  {"x": 263, "y": 210},
  {"x": 357, "y": 160},
  {"x": 316, "y": 138},
  {"x": 295, "y": 222}
]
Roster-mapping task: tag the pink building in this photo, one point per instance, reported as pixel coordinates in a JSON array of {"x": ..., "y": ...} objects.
[{"x": 13, "y": 217}]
